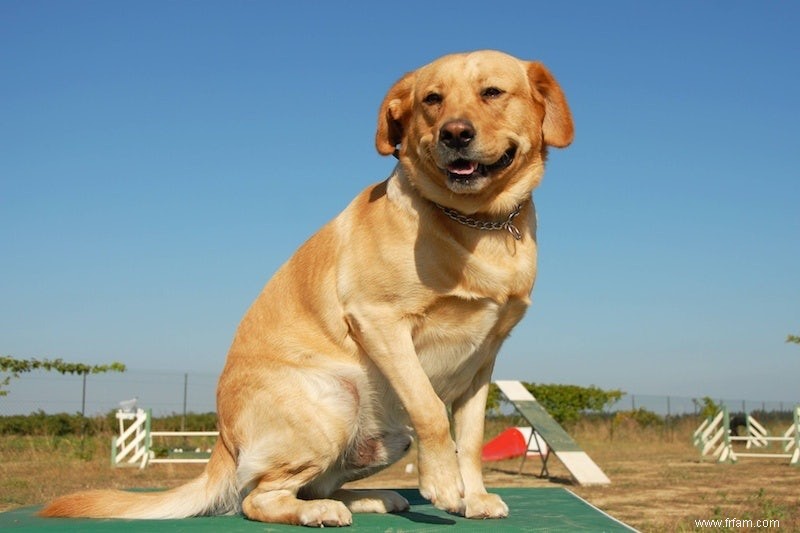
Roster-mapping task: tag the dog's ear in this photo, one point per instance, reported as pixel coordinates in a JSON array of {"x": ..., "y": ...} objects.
[
  {"x": 394, "y": 115},
  {"x": 557, "y": 128}
]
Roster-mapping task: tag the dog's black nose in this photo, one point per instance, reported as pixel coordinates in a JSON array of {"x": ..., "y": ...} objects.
[{"x": 456, "y": 133}]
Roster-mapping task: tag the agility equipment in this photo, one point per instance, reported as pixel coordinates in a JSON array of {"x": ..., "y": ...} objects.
[
  {"x": 134, "y": 444},
  {"x": 714, "y": 438},
  {"x": 514, "y": 442},
  {"x": 578, "y": 463}
]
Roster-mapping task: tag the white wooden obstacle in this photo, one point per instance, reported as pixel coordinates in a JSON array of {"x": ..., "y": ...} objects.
[
  {"x": 129, "y": 447},
  {"x": 710, "y": 432},
  {"x": 757, "y": 435},
  {"x": 793, "y": 431},
  {"x": 134, "y": 444},
  {"x": 714, "y": 437},
  {"x": 580, "y": 465}
]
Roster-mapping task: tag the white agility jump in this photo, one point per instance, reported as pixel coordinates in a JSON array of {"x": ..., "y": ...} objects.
[
  {"x": 134, "y": 444},
  {"x": 714, "y": 438}
]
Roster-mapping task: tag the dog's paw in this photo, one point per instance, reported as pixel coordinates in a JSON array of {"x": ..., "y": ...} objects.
[
  {"x": 372, "y": 501},
  {"x": 485, "y": 506},
  {"x": 447, "y": 496},
  {"x": 440, "y": 477},
  {"x": 388, "y": 501},
  {"x": 324, "y": 513},
  {"x": 446, "y": 500}
]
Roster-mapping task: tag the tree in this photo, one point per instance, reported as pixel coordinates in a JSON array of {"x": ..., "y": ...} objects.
[
  {"x": 14, "y": 367},
  {"x": 708, "y": 407},
  {"x": 793, "y": 338}
]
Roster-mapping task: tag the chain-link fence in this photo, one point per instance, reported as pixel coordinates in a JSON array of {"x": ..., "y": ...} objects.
[
  {"x": 677, "y": 405},
  {"x": 163, "y": 392},
  {"x": 176, "y": 392}
]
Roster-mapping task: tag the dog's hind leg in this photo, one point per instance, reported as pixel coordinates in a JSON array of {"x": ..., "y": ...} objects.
[
  {"x": 291, "y": 449},
  {"x": 279, "y": 470},
  {"x": 283, "y": 506}
]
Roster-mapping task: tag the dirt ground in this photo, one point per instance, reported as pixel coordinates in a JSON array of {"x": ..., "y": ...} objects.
[{"x": 659, "y": 483}]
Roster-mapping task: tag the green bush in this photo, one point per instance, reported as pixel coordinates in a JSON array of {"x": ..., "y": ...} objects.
[
  {"x": 62, "y": 424},
  {"x": 565, "y": 403},
  {"x": 194, "y": 422},
  {"x": 640, "y": 417},
  {"x": 41, "y": 424}
]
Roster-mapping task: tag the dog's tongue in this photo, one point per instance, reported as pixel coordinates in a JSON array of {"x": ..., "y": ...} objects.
[{"x": 462, "y": 167}]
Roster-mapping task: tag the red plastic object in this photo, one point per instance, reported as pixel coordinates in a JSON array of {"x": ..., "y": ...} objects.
[{"x": 507, "y": 445}]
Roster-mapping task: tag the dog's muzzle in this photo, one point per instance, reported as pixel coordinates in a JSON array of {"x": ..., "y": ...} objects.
[{"x": 464, "y": 169}]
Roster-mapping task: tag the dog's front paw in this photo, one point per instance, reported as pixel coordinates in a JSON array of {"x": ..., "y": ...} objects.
[
  {"x": 444, "y": 492},
  {"x": 485, "y": 506},
  {"x": 447, "y": 498}
]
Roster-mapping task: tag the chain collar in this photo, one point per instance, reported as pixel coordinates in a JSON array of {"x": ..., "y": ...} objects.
[{"x": 507, "y": 224}]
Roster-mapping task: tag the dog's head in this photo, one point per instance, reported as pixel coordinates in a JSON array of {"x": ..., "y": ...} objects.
[{"x": 473, "y": 129}]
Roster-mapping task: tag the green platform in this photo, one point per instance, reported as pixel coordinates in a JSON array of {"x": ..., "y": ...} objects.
[{"x": 532, "y": 509}]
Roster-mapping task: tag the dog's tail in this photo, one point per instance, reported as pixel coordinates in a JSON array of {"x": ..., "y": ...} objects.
[{"x": 213, "y": 493}]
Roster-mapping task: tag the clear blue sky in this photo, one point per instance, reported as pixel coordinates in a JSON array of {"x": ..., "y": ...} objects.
[{"x": 160, "y": 160}]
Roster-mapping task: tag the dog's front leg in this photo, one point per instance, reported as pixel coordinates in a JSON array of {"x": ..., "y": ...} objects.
[
  {"x": 387, "y": 341},
  {"x": 469, "y": 412}
]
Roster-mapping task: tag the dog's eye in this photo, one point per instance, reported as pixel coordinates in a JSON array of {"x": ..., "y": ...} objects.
[
  {"x": 492, "y": 92},
  {"x": 432, "y": 99}
]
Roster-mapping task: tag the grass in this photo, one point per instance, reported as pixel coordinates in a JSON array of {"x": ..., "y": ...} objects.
[{"x": 659, "y": 481}]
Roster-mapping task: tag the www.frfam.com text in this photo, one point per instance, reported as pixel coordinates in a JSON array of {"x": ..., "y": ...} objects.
[{"x": 738, "y": 523}]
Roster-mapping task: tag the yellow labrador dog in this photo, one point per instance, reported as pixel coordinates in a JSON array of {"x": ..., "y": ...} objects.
[{"x": 391, "y": 314}]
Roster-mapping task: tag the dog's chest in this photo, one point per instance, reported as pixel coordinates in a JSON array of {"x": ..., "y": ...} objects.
[
  {"x": 455, "y": 338},
  {"x": 479, "y": 298}
]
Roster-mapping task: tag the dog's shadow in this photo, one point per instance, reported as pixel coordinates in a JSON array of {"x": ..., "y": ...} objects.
[{"x": 417, "y": 514}]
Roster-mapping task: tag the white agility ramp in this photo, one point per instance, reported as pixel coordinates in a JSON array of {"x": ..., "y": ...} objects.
[{"x": 580, "y": 465}]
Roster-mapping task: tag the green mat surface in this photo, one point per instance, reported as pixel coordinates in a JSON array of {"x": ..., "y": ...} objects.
[{"x": 532, "y": 509}]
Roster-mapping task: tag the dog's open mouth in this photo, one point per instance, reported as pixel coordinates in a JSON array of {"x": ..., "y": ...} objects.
[{"x": 464, "y": 170}]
